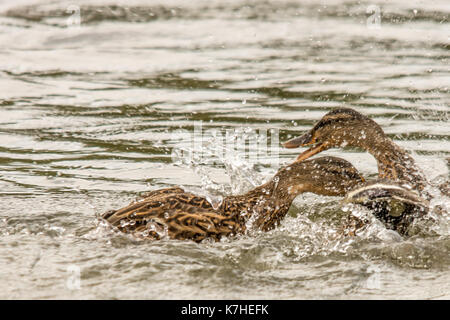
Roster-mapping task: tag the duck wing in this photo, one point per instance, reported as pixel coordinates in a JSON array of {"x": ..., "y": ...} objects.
[
  {"x": 393, "y": 204},
  {"x": 178, "y": 215}
]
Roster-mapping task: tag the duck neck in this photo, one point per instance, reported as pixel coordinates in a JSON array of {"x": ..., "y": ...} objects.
[
  {"x": 394, "y": 163},
  {"x": 265, "y": 206}
]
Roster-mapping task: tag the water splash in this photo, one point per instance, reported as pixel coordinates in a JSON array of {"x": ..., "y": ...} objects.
[{"x": 242, "y": 174}]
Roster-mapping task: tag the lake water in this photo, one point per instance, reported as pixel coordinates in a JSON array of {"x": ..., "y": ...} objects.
[{"x": 93, "y": 92}]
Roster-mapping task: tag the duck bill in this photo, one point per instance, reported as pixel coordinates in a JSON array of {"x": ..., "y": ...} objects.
[
  {"x": 300, "y": 141},
  {"x": 311, "y": 151},
  {"x": 305, "y": 140}
]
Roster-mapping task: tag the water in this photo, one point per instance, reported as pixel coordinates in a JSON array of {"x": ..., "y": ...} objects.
[{"x": 87, "y": 116}]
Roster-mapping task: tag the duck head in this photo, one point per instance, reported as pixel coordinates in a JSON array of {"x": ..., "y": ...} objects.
[
  {"x": 329, "y": 176},
  {"x": 338, "y": 128}
]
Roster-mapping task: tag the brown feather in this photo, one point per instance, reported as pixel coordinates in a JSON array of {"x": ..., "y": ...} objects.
[{"x": 178, "y": 214}]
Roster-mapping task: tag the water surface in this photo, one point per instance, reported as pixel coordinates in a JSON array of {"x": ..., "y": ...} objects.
[{"x": 87, "y": 116}]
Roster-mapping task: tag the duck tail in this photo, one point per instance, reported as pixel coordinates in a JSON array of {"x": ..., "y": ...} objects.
[{"x": 108, "y": 214}]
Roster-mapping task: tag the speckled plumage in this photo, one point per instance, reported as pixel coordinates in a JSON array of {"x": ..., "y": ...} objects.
[
  {"x": 345, "y": 127},
  {"x": 178, "y": 214}
]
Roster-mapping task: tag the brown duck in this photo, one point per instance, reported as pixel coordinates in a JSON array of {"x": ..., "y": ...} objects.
[
  {"x": 177, "y": 214},
  {"x": 398, "y": 196}
]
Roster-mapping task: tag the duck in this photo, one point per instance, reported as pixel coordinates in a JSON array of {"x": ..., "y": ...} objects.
[
  {"x": 399, "y": 194},
  {"x": 175, "y": 213},
  {"x": 394, "y": 205}
]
